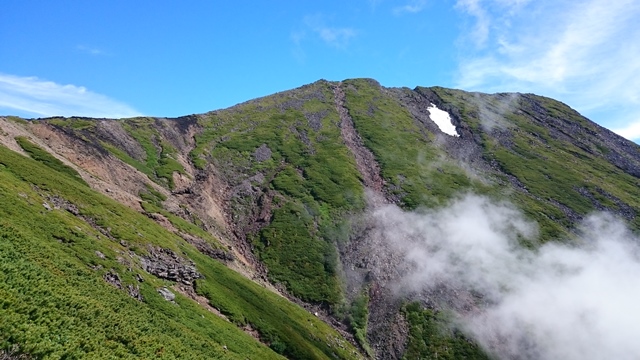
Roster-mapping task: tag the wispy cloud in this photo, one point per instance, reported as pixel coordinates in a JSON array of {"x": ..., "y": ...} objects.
[
  {"x": 581, "y": 52},
  {"x": 629, "y": 131},
  {"x": 337, "y": 37},
  {"x": 412, "y": 7},
  {"x": 91, "y": 50},
  {"x": 480, "y": 31},
  {"x": 46, "y": 98}
]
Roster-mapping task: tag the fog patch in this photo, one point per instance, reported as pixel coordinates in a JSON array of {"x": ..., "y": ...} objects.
[
  {"x": 492, "y": 109},
  {"x": 561, "y": 301}
]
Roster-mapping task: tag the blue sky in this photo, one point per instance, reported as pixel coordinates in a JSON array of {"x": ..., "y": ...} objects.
[{"x": 167, "y": 58}]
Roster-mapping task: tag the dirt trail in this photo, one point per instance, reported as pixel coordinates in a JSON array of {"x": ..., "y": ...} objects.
[{"x": 365, "y": 160}]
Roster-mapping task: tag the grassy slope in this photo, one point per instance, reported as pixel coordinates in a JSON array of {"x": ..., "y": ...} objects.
[
  {"x": 310, "y": 175},
  {"x": 432, "y": 337},
  {"x": 313, "y": 182},
  {"x": 552, "y": 170},
  {"x": 160, "y": 155},
  {"x": 44, "y": 157},
  {"x": 406, "y": 157},
  {"x": 55, "y": 303}
]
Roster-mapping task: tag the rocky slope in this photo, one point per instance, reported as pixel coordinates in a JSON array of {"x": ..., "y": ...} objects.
[{"x": 281, "y": 190}]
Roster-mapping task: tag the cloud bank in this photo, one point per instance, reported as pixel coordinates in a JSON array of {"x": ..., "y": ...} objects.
[
  {"x": 337, "y": 37},
  {"x": 561, "y": 301},
  {"x": 45, "y": 98},
  {"x": 581, "y": 52}
]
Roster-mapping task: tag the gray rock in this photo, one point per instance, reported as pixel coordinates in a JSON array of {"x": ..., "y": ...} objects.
[
  {"x": 167, "y": 294},
  {"x": 263, "y": 153},
  {"x": 134, "y": 292},
  {"x": 167, "y": 265},
  {"x": 113, "y": 278}
]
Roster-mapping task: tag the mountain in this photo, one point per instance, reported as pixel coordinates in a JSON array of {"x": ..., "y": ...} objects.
[{"x": 306, "y": 224}]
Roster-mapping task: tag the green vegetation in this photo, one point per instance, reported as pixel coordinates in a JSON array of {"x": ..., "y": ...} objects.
[
  {"x": 307, "y": 170},
  {"x": 432, "y": 337},
  {"x": 295, "y": 186},
  {"x": 152, "y": 203},
  {"x": 288, "y": 329},
  {"x": 54, "y": 302},
  {"x": 552, "y": 170},
  {"x": 39, "y": 154},
  {"x": 74, "y": 123},
  {"x": 409, "y": 160},
  {"x": 358, "y": 320},
  {"x": 153, "y": 196},
  {"x": 295, "y": 257},
  {"x": 17, "y": 119},
  {"x": 122, "y": 155},
  {"x": 160, "y": 162}
]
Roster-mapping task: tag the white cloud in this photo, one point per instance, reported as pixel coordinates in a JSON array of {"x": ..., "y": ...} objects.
[
  {"x": 91, "y": 50},
  {"x": 630, "y": 131},
  {"x": 46, "y": 98},
  {"x": 583, "y": 53},
  {"x": 412, "y": 7},
  {"x": 338, "y": 37},
  {"x": 560, "y": 301},
  {"x": 480, "y": 32}
]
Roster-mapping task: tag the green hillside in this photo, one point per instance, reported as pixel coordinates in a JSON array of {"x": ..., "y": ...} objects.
[
  {"x": 60, "y": 240},
  {"x": 274, "y": 188}
]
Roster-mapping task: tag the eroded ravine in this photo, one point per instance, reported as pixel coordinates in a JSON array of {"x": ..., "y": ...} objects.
[
  {"x": 366, "y": 256},
  {"x": 365, "y": 160}
]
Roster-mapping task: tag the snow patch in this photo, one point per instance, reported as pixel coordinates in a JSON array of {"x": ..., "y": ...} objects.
[{"x": 442, "y": 119}]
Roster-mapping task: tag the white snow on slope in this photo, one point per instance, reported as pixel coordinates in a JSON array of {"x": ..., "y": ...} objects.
[{"x": 443, "y": 120}]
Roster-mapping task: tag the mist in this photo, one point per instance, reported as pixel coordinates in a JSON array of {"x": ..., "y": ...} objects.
[
  {"x": 576, "y": 299},
  {"x": 491, "y": 112}
]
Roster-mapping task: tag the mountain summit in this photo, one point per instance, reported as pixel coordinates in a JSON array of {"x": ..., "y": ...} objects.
[{"x": 335, "y": 220}]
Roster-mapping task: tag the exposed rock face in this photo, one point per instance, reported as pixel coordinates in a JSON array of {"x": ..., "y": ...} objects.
[
  {"x": 263, "y": 153},
  {"x": 114, "y": 279},
  {"x": 134, "y": 292},
  {"x": 167, "y": 265},
  {"x": 167, "y": 294},
  {"x": 387, "y": 331},
  {"x": 206, "y": 248},
  {"x": 13, "y": 353}
]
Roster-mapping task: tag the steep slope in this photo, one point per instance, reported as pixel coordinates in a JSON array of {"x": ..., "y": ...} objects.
[
  {"x": 85, "y": 277},
  {"x": 282, "y": 190}
]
